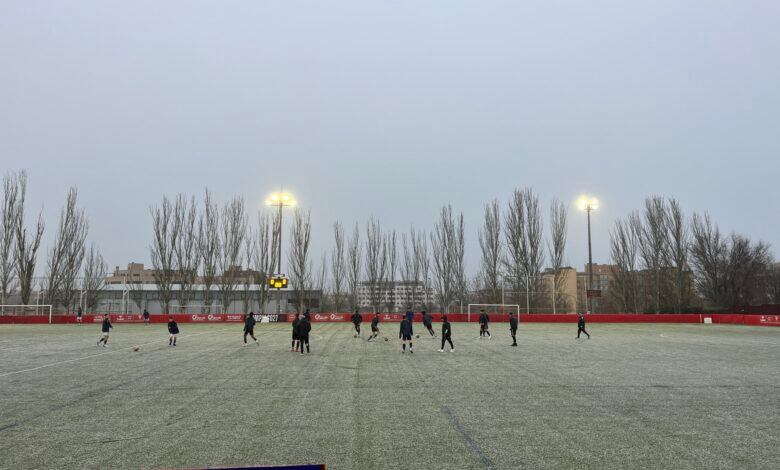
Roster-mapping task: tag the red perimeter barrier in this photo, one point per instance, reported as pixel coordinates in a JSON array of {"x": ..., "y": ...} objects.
[{"x": 735, "y": 319}]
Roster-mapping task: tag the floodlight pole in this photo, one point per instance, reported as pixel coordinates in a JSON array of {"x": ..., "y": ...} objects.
[
  {"x": 590, "y": 263},
  {"x": 280, "y": 200},
  {"x": 279, "y": 262}
]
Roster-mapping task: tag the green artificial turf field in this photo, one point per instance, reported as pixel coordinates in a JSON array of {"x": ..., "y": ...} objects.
[{"x": 633, "y": 396}]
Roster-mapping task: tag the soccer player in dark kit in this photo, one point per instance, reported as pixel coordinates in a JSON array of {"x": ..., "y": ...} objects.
[
  {"x": 304, "y": 327},
  {"x": 146, "y": 317},
  {"x": 374, "y": 327},
  {"x": 249, "y": 327},
  {"x": 581, "y": 326},
  {"x": 405, "y": 334},
  {"x": 357, "y": 319},
  {"x": 105, "y": 327},
  {"x": 173, "y": 331},
  {"x": 428, "y": 322},
  {"x": 446, "y": 334},
  {"x": 484, "y": 329},
  {"x": 296, "y": 320},
  {"x": 513, "y": 328}
]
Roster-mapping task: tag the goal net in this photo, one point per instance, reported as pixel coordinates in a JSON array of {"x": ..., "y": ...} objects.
[
  {"x": 26, "y": 310},
  {"x": 493, "y": 309}
]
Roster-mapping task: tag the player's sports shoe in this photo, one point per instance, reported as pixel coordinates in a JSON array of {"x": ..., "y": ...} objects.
[
  {"x": 411, "y": 352},
  {"x": 452, "y": 350},
  {"x": 441, "y": 350},
  {"x": 98, "y": 343}
]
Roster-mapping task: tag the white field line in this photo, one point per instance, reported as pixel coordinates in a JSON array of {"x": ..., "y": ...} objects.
[{"x": 96, "y": 355}]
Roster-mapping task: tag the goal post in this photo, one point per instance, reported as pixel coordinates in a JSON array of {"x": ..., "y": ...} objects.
[
  {"x": 26, "y": 310},
  {"x": 500, "y": 309}
]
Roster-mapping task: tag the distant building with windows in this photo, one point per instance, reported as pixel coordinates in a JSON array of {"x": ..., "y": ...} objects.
[{"x": 394, "y": 295}]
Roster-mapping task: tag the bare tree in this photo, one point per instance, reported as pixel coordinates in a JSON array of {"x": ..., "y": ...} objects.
[
  {"x": 624, "y": 246},
  {"x": 249, "y": 279},
  {"x": 652, "y": 248},
  {"x": 354, "y": 260},
  {"x": 728, "y": 271},
  {"x": 338, "y": 266},
  {"x": 376, "y": 263},
  {"x": 459, "y": 259},
  {"x": 557, "y": 249},
  {"x": 209, "y": 247},
  {"x": 423, "y": 261},
  {"x": 411, "y": 265},
  {"x": 186, "y": 253},
  {"x": 774, "y": 284},
  {"x": 233, "y": 231},
  {"x": 74, "y": 256},
  {"x": 7, "y": 219},
  {"x": 445, "y": 268},
  {"x": 392, "y": 268},
  {"x": 490, "y": 244},
  {"x": 56, "y": 260},
  {"x": 265, "y": 255},
  {"x": 322, "y": 282},
  {"x": 163, "y": 250},
  {"x": 95, "y": 271},
  {"x": 26, "y": 244},
  {"x": 298, "y": 257},
  {"x": 678, "y": 241},
  {"x": 525, "y": 251}
]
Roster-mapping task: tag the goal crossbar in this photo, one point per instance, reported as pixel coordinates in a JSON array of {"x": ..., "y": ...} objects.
[{"x": 496, "y": 308}]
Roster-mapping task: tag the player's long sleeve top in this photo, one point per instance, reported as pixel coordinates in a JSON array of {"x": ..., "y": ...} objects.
[
  {"x": 106, "y": 325},
  {"x": 173, "y": 328},
  {"x": 249, "y": 322},
  {"x": 406, "y": 328},
  {"x": 375, "y": 321},
  {"x": 581, "y": 322},
  {"x": 446, "y": 329},
  {"x": 513, "y": 322},
  {"x": 304, "y": 327}
]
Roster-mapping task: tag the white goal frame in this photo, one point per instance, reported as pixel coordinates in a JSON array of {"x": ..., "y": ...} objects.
[
  {"x": 36, "y": 307},
  {"x": 516, "y": 307}
]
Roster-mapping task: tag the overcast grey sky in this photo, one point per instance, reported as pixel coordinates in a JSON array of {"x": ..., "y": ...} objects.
[{"x": 394, "y": 108}]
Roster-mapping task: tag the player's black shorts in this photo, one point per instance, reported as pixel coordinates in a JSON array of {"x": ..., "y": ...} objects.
[
  {"x": 249, "y": 330},
  {"x": 513, "y": 330},
  {"x": 374, "y": 329},
  {"x": 294, "y": 336},
  {"x": 427, "y": 324},
  {"x": 407, "y": 337}
]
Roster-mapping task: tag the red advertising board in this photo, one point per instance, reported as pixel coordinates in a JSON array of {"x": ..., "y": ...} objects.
[{"x": 738, "y": 319}]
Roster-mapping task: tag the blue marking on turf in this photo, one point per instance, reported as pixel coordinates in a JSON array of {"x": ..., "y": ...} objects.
[{"x": 471, "y": 443}]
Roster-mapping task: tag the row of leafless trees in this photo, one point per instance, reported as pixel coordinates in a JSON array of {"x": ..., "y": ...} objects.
[
  {"x": 198, "y": 251},
  {"x": 513, "y": 252},
  {"x": 68, "y": 260},
  {"x": 666, "y": 262}
]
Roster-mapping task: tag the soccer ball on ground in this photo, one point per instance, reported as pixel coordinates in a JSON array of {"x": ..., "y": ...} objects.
[
  {"x": 387, "y": 339},
  {"x": 418, "y": 336},
  {"x": 136, "y": 348}
]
